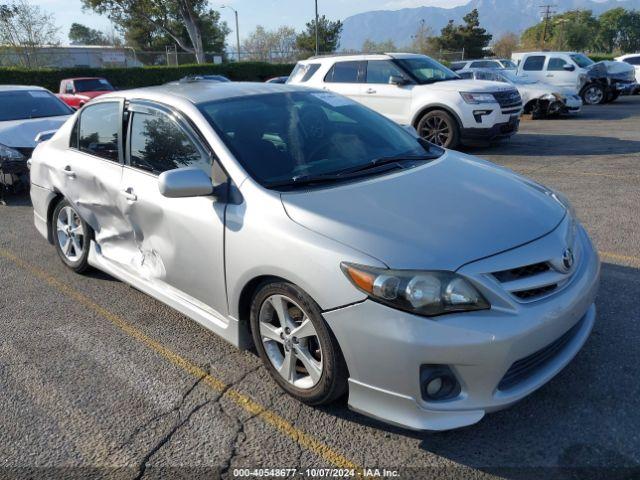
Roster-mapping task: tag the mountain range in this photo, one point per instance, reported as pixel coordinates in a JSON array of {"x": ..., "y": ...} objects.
[{"x": 497, "y": 16}]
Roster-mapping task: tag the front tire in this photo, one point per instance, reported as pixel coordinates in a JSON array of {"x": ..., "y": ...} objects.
[
  {"x": 296, "y": 345},
  {"x": 71, "y": 236},
  {"x": 440, "y": 128},
  {"x": 593, "y": 94}
]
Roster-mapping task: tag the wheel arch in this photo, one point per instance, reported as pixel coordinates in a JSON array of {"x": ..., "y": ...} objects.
[
  {"x": 432, "y": 107},
  {"x": 244, "y": 302},
  {"x": 58, "y": 197}
]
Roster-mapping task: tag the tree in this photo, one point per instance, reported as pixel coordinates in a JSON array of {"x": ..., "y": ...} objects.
[
  {"x": 505, "y": 45},
  {"x": 328, "y": 36},
  {"x": 423, "y": 40},
  {"x": 264, "y": 45},
  {"x": 619, "y": 30},
  {"x": 24, "y": 28},
  {"x": 83, "y": 35},
  {"x": 572, "y": 30},
  {"x": 188, "y": 23},
  {"x": 369, "y": 46},
  {"x": 468, "y": 37}
]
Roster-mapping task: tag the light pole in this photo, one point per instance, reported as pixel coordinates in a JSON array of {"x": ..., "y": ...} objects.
[
  {"x": 237, "y": 28},
  {"x": 317, "y": 34}
]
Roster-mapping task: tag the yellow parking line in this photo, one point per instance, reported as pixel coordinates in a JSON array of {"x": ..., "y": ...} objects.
[
  {"x": 617, "y": 256},
  {"x": 254, "y": 408}
]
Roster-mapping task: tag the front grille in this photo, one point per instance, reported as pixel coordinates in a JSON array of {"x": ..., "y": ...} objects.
[
  {"x": 521, "y": 272},
  {"x": 508, "y": 99},
  {"x": 534, "y": 293},
  {"x": 526, "y": 367}
]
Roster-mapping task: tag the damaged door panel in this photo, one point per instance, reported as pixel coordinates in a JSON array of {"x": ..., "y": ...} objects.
[
  {"x": 91, "y": 173},
  {"x": 165, "y": 232}
]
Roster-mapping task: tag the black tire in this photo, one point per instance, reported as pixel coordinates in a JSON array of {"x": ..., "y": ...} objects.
[
  {"x": 593, "y": 94},
  {"x": 611, "y": 97},
  {"x": 435, "y": 120},
  {"x": 333, "y": 380},
  {"x": 81, "y": 263}
]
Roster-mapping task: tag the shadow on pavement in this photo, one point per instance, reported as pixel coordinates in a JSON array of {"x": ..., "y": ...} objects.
[{"x": 540, "y": 144}]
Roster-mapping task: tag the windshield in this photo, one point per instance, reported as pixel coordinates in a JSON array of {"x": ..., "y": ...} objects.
[
  {"x": 426, "y": 70},
  {"x": 581, "y": 60},
  {"x": 25, "y": 104},
  {"x": 281, "y": 137},
  {"x": 92, "y": 85}
]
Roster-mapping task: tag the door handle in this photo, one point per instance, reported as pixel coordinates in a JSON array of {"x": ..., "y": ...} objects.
[
  {"x": 129, "y": 195},
  {"x": 549, "y": 75},
  {"x": 68, "y": 172},
  {"x": 370, "y": 91}
]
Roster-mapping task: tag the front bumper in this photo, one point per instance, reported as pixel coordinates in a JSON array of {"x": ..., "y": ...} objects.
[
  {"x": 385, "y": 348},
  {"x": 498, "y": 131},
  {"x": 625, "y": 88}
]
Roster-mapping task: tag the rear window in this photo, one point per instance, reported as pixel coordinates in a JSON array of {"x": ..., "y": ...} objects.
[
  {"x": 534, "y": 63},
  {"x": 25, "y": 104}
]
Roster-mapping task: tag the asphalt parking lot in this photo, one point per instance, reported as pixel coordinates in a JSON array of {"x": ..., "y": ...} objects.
[{"x": 97, "y": 375}]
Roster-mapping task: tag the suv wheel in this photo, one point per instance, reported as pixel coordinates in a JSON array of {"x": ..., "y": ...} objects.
[
  {"x": 296, "y": 345},
  {"x": 593, "y": 94},
  {"x": 440, "y": 128},
  {"x": 71, "y": 236}
]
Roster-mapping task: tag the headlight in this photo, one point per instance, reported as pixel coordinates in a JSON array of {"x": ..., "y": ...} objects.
[
  {"x": 7, "y": 153},
  {"x": 427, "y": 293},
  {"x": 475, "y": 98}
]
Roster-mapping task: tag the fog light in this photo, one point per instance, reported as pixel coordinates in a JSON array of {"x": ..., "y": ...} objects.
[{"x": 438, "y": 383}]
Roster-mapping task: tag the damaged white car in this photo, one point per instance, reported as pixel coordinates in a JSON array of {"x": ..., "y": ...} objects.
[
  {"x": 430, "y": 285},
  {"x": 539, "y": 99}
]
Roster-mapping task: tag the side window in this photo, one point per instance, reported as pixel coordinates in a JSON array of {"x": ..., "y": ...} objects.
[
  {"x": 483, "y": 64},
  {"x": 344, "y": 72},
  {"x": 533, "y": 63},
  {"x": 556, "y": 64},
  {"x": 69, "y": 87},
  {"x": 379, "y": 71},
  {"x": 467, "y": 75},
  {"x": 312, "y": 68},
  {"x": 99, "y": 129},
  {"x": 73, "y": 139},
  {"x": 158, "y": 144}
]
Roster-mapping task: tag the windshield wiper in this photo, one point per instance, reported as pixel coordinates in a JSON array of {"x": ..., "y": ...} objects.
[{"x": 391, "y": 162}]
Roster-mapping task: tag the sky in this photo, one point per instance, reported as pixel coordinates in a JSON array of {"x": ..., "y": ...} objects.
[{"x": 268, "y": 13}]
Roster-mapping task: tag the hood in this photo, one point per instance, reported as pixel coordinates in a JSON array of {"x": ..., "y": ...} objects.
[
  {"x": 464, "y": 85},
  {"x": 91, "y": 95},
  {"x": 538, "y": 89},
  {"x": 22, "y": 133},
  {"x": 437, "y": 216},
  {"x": 613, "y": 70}
]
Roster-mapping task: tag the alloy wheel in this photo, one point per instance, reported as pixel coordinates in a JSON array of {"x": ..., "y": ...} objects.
[
  {"x": 436, "y": 130},
  {"x": 593, "y": 95},
  {"x": 291, "y": 341},
  {"x": 70, "y": 234}
]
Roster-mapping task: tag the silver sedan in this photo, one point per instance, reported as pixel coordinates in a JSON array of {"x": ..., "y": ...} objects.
[{"x": 431, "y": 286}]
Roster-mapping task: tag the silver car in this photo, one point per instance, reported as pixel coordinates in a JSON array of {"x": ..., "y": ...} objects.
[{"x": 432, "y": 286}]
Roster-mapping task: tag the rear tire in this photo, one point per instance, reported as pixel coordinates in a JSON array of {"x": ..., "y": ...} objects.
[
  {"x": 440, "y": 128},
  {"x": 71, "y": 236},
  {"x": 299, "y": 351}
]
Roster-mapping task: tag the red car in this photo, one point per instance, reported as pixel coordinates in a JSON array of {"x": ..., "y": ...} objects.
[{"x": 75, "y": 92}]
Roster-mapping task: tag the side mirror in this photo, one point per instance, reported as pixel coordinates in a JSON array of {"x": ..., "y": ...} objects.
[
  {"x": 568, "y": 67},
  {"x": 185, "y": 182},
  {"x": 397, "y": 80}
]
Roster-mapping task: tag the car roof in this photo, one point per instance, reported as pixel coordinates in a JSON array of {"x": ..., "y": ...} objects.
[
  {"x": 198, "y": 92},
  {"x": 13, "y": 88},
  {"x": 83, "y": 78},
  {"x": 365, "y": 56}
]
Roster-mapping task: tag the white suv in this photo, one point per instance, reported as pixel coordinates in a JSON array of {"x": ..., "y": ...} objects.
[{"x": 418, "y": 91}]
